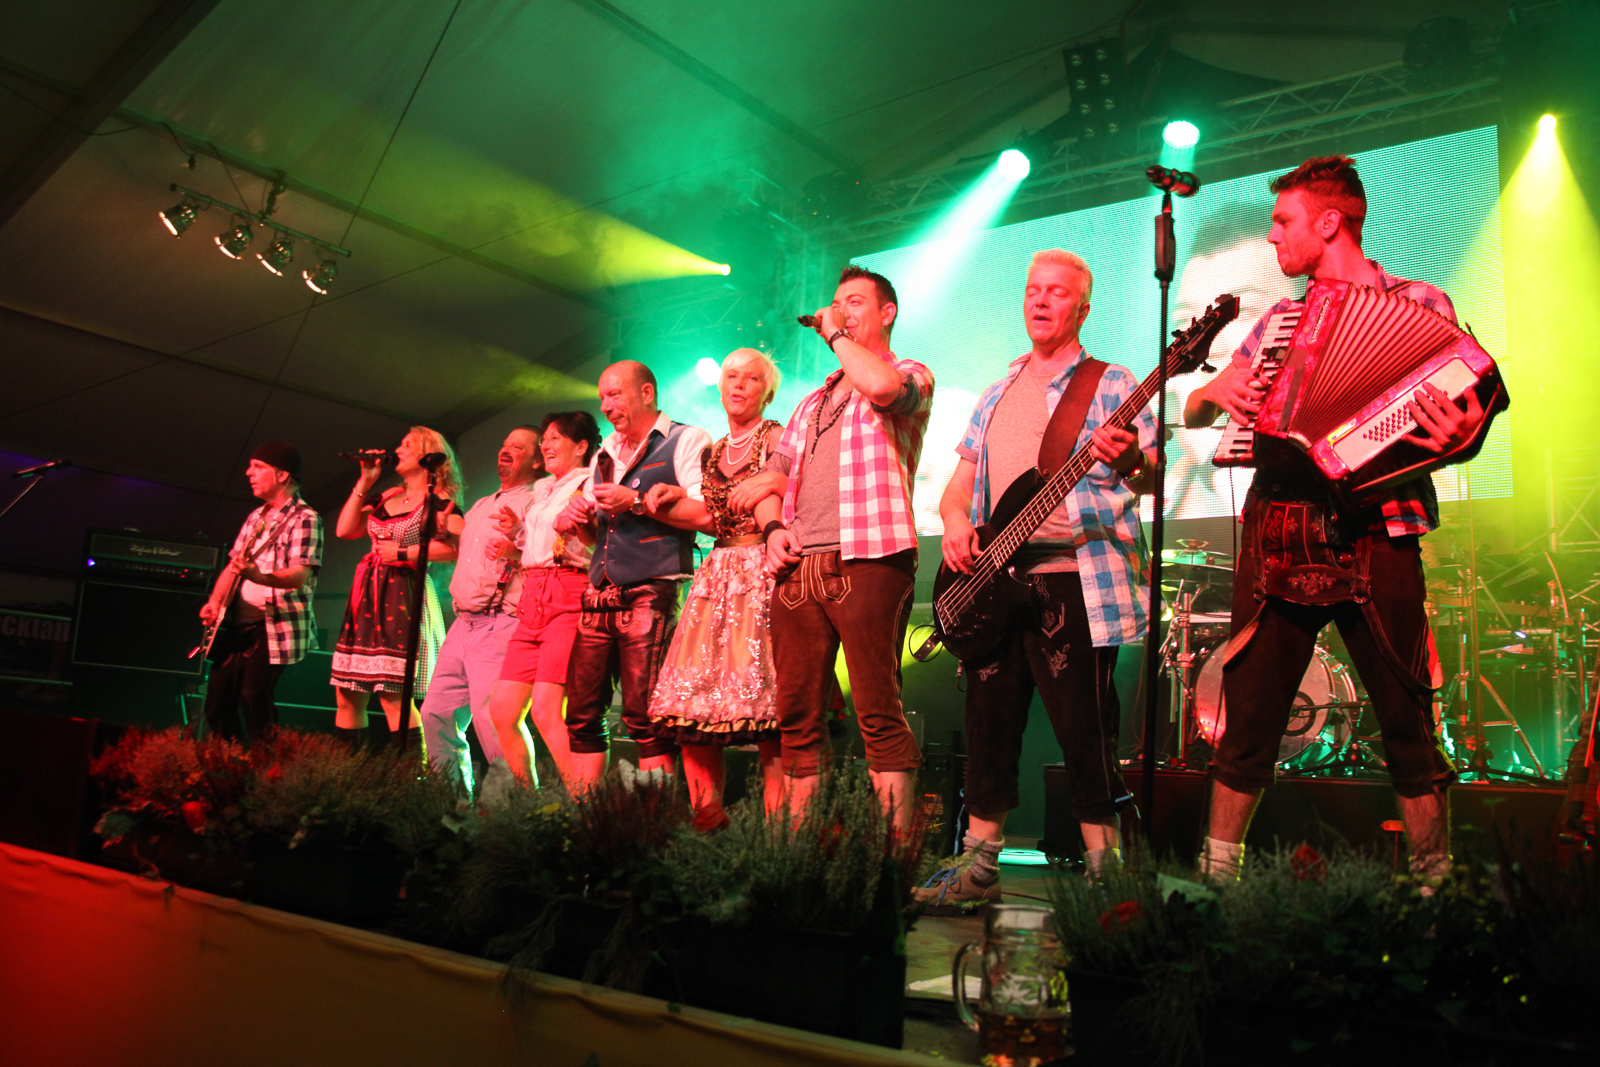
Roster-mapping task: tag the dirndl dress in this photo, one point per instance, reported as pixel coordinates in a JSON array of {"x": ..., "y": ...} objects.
[
  {"x": 370, "y": 653},
  {"x": 716, "y": 686}
]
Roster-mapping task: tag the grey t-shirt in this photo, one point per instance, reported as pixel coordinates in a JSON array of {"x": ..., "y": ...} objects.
[
  {"x": 816, "y": 498},
  {"x": 1016, "y": 431}
]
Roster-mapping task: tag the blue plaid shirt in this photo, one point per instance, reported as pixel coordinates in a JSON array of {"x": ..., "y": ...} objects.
[
  {"x": 1113, "y": 562},
  {"x": 1410, "y": 507}
]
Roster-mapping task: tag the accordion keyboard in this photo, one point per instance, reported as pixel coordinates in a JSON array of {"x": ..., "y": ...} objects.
[{"x": 1237, "y": 447}]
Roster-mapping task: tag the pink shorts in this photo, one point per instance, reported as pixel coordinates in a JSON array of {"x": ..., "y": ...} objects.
[{"x": 547, "y": 625}]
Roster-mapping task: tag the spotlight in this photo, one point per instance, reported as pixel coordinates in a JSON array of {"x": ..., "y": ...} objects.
[
  {"x": 1181, "y": 134},
  {"x": 235, "y": 241},
  {"x": 708, "y": 370},
  {"x": 320, "y": 278},
  {"x": 1013, "y": 165},
  {"x": 179, "y": 217},
  {"x": 1547, "y": 124},
  {"x": 724, "y": 269},
  {"x": 278, "y": 255}
]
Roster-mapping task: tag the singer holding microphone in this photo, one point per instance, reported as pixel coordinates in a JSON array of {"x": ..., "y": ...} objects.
[{"x": 370, "y": 654}]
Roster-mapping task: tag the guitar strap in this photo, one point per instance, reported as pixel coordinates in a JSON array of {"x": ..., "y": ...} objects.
[{"x": 1061, "y": 435}]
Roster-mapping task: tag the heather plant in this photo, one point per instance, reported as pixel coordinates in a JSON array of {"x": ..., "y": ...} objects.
[
  {"x": 314, "y": 787},
  {"x": 1322, "y": 942},
  {"x": 822, "y": 870},
  {"x": 170, "y": 775}
]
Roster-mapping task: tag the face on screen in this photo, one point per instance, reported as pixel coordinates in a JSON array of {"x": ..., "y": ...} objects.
[{"x": 1247, "y": 268}]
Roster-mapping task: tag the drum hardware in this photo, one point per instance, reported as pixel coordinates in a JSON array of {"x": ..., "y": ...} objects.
[{"x": 1323, "y": 722}]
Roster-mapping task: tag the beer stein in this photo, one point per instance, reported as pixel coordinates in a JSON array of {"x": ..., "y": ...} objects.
[{"x": 1022, "y": 1010}]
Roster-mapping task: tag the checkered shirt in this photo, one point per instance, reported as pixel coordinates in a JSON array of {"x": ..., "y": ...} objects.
[
  {"x": 291, "y": 624},
  {"x": 1411, "y": 507},
  {"x": 1113, "y": 562},
  {"x": 878, "y": 453}
]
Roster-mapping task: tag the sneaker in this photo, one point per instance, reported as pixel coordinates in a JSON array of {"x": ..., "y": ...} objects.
[{"x": 953, "y": 892}]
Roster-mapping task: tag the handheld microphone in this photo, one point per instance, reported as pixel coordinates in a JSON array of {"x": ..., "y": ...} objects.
[
  {"x": 810, "y": 322},
  {"x": 367, "y": 455},
  {"x": 1176, "y": 182},
  {"x": 36, "y": 471}
]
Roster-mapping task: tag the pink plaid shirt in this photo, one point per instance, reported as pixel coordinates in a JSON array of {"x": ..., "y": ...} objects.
[{"x": 878, "y": 453}]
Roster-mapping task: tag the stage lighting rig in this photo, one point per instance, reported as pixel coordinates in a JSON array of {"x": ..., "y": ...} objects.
[
  {"x": 234, "y": 241},
  {"x": 320, "y": 278},
  {"x": 179, "y": 217},
  {"x": 278, "y": 255}
]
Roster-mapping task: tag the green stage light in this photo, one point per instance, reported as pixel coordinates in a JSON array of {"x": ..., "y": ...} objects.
[
  {"x": 1013, "y": 165},
  {"x": 1547, "y": 124},
  {"x": 724, "y": 269},
  {"x": 235, "y": 241},
  {"x": 1181, "y": 134},
  {"x": 278, "y": 255},
  {"x": 179, "y": 217},
  {"x": 708, "y": 370},
  {"x": 320, "y": 278}
]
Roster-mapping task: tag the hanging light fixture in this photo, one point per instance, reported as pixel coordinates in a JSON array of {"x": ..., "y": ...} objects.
[
  {"x": 179, "y": 217},
  {"x": 319, "y": 279},
  {"x": 235, "y": 241},
  {"x": 278, "y": 255}
]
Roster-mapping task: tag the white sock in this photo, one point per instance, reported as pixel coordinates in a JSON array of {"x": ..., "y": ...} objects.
[
  {"x": 1096, "y": 860},
  {"x": 1221, "y": 862}
]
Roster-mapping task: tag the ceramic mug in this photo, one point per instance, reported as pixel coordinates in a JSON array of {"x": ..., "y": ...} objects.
[{"x": 1021, "y": 1017}]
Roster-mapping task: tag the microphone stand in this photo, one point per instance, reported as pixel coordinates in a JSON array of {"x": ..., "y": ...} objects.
[
  {"x": 419, "y": 587},
  {"x": 1166, "y": 262},
  {"x": 36, "y": 479}
]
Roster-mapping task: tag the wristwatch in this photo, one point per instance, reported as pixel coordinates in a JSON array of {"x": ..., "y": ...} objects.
[
  {"x": 1139, "y": 471},
  {"x": 637, "y": 507}
]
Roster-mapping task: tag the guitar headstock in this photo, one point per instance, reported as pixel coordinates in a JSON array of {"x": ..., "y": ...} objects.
[{"x": 1192, "y": 345}]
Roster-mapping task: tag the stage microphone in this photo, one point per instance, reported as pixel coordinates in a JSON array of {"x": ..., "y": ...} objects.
[
  {"x": 1176, "y": 182},
  {"x": 432, "y": 461},
  {"x": 810, "y": 322},
  {"x": 382, "y": 455},
  {"x": 34, "y": 472}
]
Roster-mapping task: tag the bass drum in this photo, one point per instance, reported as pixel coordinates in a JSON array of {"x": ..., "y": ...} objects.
[{"x": 1320, "y": 723}]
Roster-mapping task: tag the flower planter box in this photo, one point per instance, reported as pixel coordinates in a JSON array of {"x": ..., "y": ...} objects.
[
  {"x": 845, "y": 985},
  {"x": 218, "y": 865},
  {"x": 354, "y": 884},
  {"x": 1103, "y": 1029}
]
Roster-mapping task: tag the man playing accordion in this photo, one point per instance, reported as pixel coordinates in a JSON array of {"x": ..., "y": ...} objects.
[{"x": 1309, "y": 556}]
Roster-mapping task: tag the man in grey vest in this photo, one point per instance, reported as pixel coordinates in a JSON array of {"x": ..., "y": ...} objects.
[{"x": 632, "y": 604}]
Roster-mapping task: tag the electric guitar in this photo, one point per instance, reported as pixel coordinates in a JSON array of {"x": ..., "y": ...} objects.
[
  {"x": 971, "y": 611},
  {"x": 233, "y": 580}
]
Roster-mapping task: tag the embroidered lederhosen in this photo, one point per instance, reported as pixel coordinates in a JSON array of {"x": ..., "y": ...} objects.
[{"x": 1309, "y": 549}]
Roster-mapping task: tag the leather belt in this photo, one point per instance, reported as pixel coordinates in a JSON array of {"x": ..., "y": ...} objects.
[{"x": 738, "y": 542}]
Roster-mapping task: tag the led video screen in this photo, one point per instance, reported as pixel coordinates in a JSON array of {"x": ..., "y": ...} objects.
[{"x": 964, "y": 317}]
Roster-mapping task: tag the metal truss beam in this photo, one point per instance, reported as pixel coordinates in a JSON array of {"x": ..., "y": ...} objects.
[{"x": 1297, "y": 115}]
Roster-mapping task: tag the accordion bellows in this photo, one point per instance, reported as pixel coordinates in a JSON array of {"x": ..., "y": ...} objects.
[{"x": 1357, "y": 357}]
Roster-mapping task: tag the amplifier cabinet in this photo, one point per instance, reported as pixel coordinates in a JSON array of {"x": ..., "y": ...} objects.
[
  {"x": 137, "y": 627},
  {"x": 127, "y": 556}
]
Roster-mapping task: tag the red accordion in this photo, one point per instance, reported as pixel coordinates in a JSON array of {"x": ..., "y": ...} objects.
[{"x": 1356, "y": 358}]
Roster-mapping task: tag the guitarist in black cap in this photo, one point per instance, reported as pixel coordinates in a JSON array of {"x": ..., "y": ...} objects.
[
  {"x": 1079, "y": 584},
  {"x": 263, "y": 596}
]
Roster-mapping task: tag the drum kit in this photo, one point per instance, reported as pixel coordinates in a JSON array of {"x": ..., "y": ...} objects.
[
  {"x": 1482, "y": 630},
  {"x": 1324, "y": 734}
]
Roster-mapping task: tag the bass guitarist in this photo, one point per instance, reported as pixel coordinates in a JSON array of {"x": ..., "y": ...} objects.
[
  {"x": 1081, "y": 580},
  {"x": 264, "y": 593}
]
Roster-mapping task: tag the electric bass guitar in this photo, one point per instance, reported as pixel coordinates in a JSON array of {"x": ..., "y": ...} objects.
[
  {"x": 971, "y": 611},
  {"x": 259, "y": 540}
]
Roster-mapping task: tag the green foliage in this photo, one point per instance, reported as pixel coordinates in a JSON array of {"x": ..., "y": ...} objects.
[
  {"x": 292, "y": 785},
  {"x": 819, "y": 872},
  {"x": 1330, "y": 941},
  {"x": 316, "y": 787},
  {"x": 169, "y": 775}
]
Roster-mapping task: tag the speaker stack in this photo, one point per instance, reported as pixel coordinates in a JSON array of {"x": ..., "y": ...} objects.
[{"x": 137, "y": 619}]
